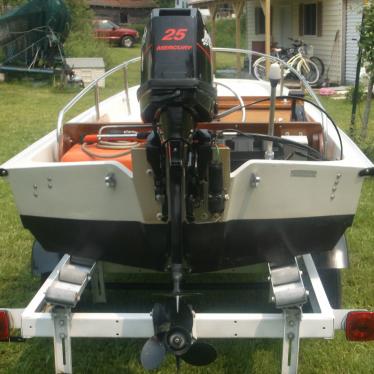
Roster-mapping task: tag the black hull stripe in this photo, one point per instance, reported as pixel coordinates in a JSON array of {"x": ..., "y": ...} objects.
[{"x": 208, "y": 247}]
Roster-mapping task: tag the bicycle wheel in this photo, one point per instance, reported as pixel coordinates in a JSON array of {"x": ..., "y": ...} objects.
[
  {"x": 259, "y": 69},
  {"x": 309, "y": 70},
  {"x": 320, "y": 65}
]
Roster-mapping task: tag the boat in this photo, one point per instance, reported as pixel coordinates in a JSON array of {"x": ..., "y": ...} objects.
[
  {"x": 187, "y": 173},
  {"x": 301, "y": 201}
]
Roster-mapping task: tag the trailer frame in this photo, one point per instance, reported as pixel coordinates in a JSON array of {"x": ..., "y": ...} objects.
[{"x": 41, "y": 319}]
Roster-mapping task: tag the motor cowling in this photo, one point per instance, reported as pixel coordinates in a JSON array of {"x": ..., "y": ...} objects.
[{"x": 176, "y": 65}]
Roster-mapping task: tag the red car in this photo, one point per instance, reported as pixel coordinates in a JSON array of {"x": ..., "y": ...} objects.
[{"x": 108, "y": 30}]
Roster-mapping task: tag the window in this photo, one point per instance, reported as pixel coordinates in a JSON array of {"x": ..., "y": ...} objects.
[
  {"x": 106, "y": 25},
  {"x": 310, "y": 19},
  {"x": 260, "y": 20}
]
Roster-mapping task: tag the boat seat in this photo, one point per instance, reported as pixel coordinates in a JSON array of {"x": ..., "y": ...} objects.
[{"x": 226, "y": 102}]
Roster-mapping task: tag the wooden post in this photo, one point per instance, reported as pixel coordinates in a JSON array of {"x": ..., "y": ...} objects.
[
  {"x": 213, "y": 13},
  {"x": 267, "y": 33},
  {"x": 238, "y": 9}
]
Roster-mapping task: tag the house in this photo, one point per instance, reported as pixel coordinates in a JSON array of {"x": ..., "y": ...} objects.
[
  {"x": 330, "y": 26},
  {"x": 122, "y": 11}
]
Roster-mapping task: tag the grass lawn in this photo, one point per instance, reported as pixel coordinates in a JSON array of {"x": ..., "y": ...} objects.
[{"x": 28, "y": 111}]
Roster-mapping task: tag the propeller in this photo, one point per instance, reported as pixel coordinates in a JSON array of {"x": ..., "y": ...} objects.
[
  {"x": 152, "y": 354},
  {"x": 173, "y": 333},
  {"x": 200, "y": 354}
]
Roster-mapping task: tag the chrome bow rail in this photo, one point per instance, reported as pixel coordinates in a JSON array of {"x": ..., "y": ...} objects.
[{"x": 94, "y": 85}]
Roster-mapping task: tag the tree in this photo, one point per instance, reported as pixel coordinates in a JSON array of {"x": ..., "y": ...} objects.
[
  {"x": 165, "y": 3},
  {"x": 81, "y": 16},
  {"x": 81, "y": 41},
  {"x": 367, "y": 45}
]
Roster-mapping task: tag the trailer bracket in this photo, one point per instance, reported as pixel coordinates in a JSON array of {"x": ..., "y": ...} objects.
[
  {"x": 289, "y": 294},
  {"x": 291, "y": 340},
  {"x": 62, "y": 340}
]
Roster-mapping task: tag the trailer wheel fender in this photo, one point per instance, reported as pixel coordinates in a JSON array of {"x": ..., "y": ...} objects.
[
  {"x": 331, "y": 281},
  {"x": 337, "y": 258}
]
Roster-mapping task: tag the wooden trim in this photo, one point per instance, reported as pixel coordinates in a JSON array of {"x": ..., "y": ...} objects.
[
  {"x": 73, "y": 132},
  {"x": 226, "y": 102},
  {"x": 292, "y": 127},
  {"x": 238, "y": 7}
]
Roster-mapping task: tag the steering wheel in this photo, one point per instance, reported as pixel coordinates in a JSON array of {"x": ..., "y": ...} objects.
[{"x": 231, "y": 110}]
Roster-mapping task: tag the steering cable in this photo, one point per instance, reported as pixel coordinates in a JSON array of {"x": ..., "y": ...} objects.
[{"x": 240, "y": 107}]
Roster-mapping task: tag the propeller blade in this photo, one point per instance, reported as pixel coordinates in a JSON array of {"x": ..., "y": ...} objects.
[
  {"x": 200, "y": 354},
  {"x": 152, "y": 354}
]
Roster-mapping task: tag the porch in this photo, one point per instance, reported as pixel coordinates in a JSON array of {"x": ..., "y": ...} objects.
[{"x": 329, "y": 27}]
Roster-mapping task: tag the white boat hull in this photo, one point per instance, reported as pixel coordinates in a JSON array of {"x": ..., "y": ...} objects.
[{"x": 296, "y": 207}]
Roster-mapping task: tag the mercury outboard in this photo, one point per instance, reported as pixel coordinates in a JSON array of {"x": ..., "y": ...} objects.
[{"x": 176, "y": 93}]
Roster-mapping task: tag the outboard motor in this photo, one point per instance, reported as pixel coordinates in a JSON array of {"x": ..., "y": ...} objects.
[
  {"x": 176, "y": 92},
  {"x": 176, "y": 66}
]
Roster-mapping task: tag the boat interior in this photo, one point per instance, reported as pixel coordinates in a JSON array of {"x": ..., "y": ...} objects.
[{"x": 292, "y": 125}]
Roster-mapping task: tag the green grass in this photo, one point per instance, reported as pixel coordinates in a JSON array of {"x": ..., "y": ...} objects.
[{"x": 27, "y": 113}]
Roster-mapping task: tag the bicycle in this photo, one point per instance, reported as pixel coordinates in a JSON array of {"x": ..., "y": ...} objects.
[
  {"x": 293, "y": 50},
  {"x": 303, "y": 64}
]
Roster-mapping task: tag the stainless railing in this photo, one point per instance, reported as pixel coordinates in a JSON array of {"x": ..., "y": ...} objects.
[
  {"x": 124, "y": 66},
  {"x": 95, "y": 85}
]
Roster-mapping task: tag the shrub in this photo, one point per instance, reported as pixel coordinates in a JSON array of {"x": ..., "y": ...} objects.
[
  {"x": 139, "y": 27},
  {"x": 360, "y": 93},
  {"x": 367, "y": 146}
]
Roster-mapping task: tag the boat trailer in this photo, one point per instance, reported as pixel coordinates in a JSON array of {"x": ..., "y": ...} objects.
[{"x": 49, "y": 314}]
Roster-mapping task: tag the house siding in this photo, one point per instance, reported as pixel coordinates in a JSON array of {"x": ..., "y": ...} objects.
[
  {"x": 323, "y": 46},
  {"x": 354, "y": 17}
]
